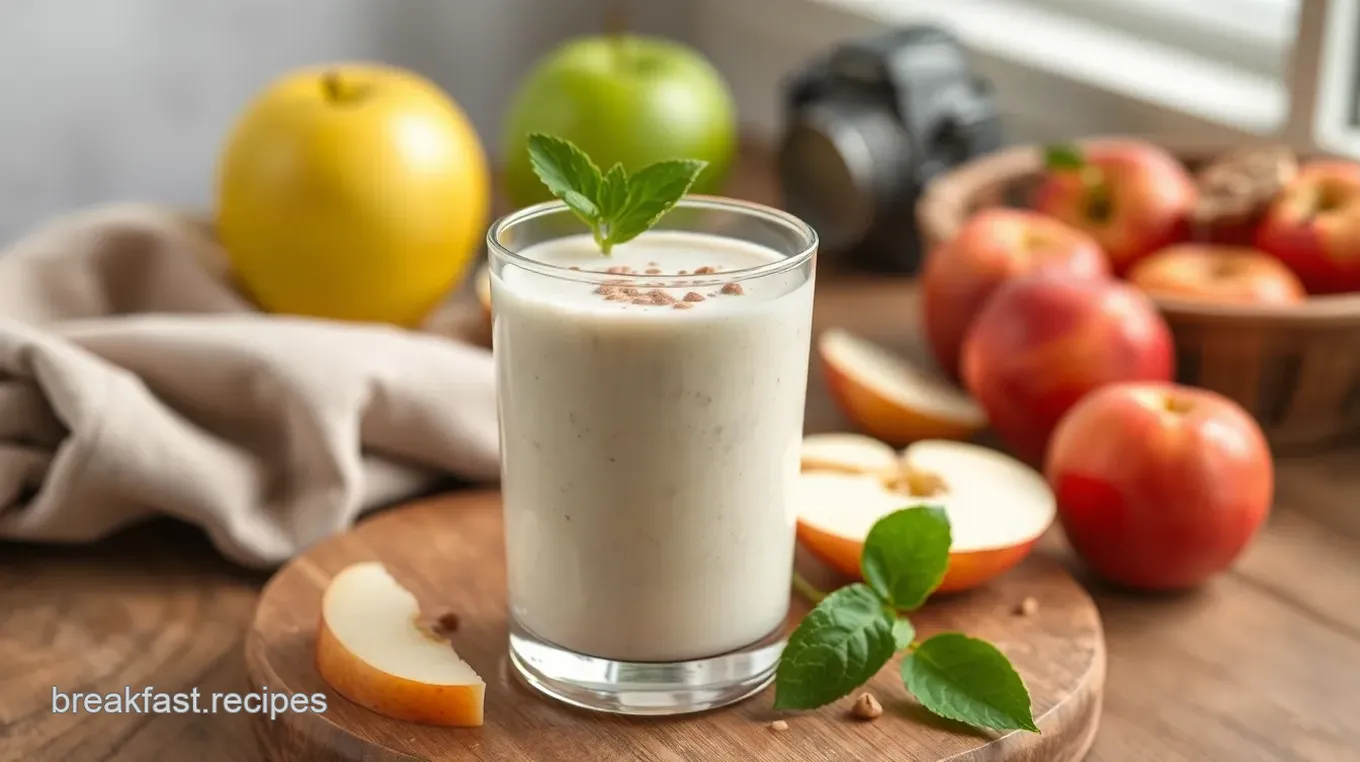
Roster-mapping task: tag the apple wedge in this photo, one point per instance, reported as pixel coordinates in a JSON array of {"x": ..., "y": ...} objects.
[
  {"x": 848, "y": 453},
  {"x": 481, "y": 284},
  {"x": 371, "y": 649},
  {"x": 892, "y": 399},
  {"x": 997, "y": 506}
]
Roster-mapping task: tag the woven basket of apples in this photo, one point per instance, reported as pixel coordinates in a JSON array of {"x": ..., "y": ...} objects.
[{"x": 1248, "y": 258}]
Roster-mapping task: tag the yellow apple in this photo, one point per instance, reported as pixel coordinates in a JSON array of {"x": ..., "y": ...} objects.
[{"x": 355, "y": 192}]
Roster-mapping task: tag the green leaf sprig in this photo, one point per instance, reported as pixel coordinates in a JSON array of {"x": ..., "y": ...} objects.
[
  {"x": 1065, "y": 157},
  {"x": 851, "y": 633},
  {"x": 617, "y": 207}
]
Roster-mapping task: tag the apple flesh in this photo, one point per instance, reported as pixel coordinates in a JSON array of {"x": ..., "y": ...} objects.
[
  {"x": 1217, "y": 274},
  {"x": 1314, "y": 227},
  {"x": 890, "y": 398},
  {"x": 625, "y": 99},
  {"x": 993, "y": 247},
  {"x": 997, "y": 507},
  {"x": 1131, "y": 196},
  {"x": 848, "y": 453},
  {"x": 1159, "y": 486},
  {"x": 372, "y": 650},
  {"x": 1043, "y": 342}
]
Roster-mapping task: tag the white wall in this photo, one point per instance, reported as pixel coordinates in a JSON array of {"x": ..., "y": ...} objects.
[
  {"x": 130, "y": 99},
  {"x": 758, "y": 43}
]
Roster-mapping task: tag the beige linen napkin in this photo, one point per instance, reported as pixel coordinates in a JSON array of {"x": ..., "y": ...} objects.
[{"x": 135, "y": 381}]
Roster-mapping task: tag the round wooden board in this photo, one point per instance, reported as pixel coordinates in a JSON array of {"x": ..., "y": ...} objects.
[{"x": 448, "y": 552}]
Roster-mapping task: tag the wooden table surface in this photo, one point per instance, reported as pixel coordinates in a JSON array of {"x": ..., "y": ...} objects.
[{"x": 1261, "y": 665}]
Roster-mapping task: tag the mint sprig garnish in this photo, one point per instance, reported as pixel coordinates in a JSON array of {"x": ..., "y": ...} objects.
[
  {"x": 968, "y": 680},
  {"x": 616, "y": 206},
  {"x": 841, "y": 644},
  {"x": 904, "y": 560},
  {"x": 851, "y": 633}
]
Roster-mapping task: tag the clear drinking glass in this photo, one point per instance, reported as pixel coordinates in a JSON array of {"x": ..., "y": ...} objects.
[{"x": 650, "y": 430}]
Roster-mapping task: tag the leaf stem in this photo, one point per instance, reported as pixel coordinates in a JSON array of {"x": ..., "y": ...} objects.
[{"x": 807, "y": 589}]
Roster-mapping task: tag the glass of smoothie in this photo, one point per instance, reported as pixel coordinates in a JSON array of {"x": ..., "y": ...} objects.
[{"x": 651, "y": 412}]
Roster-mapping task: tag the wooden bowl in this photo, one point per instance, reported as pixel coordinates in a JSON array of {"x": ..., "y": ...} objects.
[{"x": 1295, "y": 368}]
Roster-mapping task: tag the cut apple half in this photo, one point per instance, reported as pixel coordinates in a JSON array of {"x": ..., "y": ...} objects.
[
  {"x": 848, "y": 453},
  {"x": 891, "y": 398},
  {"x": 372, "y": 649},
  {"x": 997, "y": 506},
  {"x": 481, "y": 284}
]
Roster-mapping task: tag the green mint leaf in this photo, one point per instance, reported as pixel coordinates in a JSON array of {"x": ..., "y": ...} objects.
[
  {"x": 584, "y": 207},
  {"x": 906, "y": 554},
  {"x": 1063, "y": 156},
  {"x": 968, "y": 680},
  {"x": 652, "y": 191},
  {"x": 903, "y": 633},
  {"x": 613, "y": 196},
  {"x": 569, "y": 174},
  {"x": 837, "y": 647}
]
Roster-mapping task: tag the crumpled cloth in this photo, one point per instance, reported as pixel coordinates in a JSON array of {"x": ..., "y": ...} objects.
[{"x": 136, "y": 380}]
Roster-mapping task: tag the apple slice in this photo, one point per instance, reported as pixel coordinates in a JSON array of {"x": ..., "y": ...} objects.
[
  {"x": 481, "y": 284},
  {"x": 892, "y": 399},
  {"x": 997, "y": 506},
  {"x": 848, "y": 453},
  {"x": 372, "y": 650}
]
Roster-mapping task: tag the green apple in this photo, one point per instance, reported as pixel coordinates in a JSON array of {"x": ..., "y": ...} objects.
[{"x": 622, "y": 98}]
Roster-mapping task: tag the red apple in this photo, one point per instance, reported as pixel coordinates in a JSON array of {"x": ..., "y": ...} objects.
[
  {"x": 1159, "y": 486},
  {"x": 1131, "y": 196},
  {"x": 995, "y": 246},
  {"x": 1044, "y": 341},
  {"x": 1314, "y": 227},
  {"x": 1219, "y": 274}
]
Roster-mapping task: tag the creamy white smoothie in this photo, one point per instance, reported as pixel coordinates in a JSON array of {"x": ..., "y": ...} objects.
[{"x": 650, "y": 438}]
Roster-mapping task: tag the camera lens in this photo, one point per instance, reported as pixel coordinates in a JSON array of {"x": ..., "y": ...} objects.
[{"x": 841, "y": 162}]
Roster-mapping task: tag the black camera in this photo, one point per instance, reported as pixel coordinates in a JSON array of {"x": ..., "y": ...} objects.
[{"x": 867, "y": 127}]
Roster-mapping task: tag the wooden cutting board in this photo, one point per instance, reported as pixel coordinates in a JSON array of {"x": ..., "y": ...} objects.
[{"x": 448, "y": 552}]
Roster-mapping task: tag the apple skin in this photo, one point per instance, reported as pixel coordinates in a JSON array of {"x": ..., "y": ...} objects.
[
  {"x": 1218, "y": 274},
  {"x": 966, "y": 570},
  {"x": 629, "y": 99},
  {"x": 1314, "y": 227},
  {"x": 1044, "y": 341},
  {"x": 1150, "y": 193},
  {"x": 392, "y": 696},
  {"x": 1159, "y": 486},
  {"x": 354, "y": 192},
  {"x": 995, "y": 246}
]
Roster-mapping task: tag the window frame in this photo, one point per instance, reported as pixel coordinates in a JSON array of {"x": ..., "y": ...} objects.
[{"x": 1065, "y": 74}]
